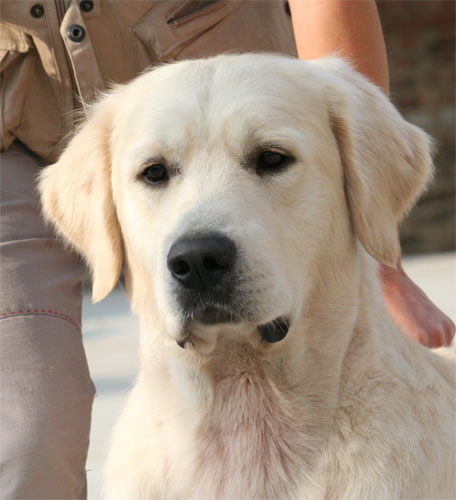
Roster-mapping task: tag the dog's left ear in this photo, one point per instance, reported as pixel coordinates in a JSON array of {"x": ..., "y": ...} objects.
[
  {"x": 76, "y": 197},
  {"x": 386, "y": 160}
]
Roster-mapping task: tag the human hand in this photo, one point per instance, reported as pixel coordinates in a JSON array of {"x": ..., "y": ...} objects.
[{"x": 413, "y": 311}]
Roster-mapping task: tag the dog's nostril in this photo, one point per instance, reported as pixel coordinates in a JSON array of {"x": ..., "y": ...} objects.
[
  {"x": 212, "y": 264},
  {"x": 180, "y": 267}
]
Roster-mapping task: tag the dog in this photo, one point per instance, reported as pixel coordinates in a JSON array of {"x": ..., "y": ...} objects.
[{"x": 249, "y": 199}]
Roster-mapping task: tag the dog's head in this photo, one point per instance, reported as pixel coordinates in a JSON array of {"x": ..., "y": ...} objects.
[{"x": 222, "y": 183}]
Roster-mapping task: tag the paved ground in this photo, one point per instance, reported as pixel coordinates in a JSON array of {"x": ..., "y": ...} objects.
[{"x": 111, "y": 340}]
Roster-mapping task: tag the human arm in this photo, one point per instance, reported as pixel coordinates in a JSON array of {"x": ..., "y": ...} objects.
[{"x": 351, "y": 29}]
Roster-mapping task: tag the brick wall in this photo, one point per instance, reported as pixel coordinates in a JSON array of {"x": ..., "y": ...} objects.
[{"x": 420, "y": 40}]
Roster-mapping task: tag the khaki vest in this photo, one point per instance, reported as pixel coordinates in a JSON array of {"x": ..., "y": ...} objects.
[{"x": 56, "y": 55}]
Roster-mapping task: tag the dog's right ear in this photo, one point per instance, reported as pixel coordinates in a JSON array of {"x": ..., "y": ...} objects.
[{"x": 76, "y": 196}]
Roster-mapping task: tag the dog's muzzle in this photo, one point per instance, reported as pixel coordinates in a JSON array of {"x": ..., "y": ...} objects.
[{"x": 203, "y": 271}]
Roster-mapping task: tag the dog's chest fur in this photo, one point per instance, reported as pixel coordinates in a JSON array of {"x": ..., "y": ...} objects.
[{"x": 252, "y": 445}]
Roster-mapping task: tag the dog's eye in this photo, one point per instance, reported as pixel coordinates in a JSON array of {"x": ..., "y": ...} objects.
[
  {"x": 271, "y": 160},
  {"x": 156, "y": 174}
]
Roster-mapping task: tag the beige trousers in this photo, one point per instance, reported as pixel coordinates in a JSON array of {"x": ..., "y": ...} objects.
[{"x": 46, "y": 390}]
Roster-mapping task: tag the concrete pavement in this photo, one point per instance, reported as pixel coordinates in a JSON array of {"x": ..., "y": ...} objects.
[{"x": 111, "y": 340}]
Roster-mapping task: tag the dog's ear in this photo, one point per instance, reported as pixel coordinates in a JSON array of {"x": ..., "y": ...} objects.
[
  {"x": 76, "y": 197},
  {"x": 386, "y": 160}
]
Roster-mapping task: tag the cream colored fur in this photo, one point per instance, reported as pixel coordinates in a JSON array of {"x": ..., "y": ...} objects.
[{"x": 345, "y": 407}]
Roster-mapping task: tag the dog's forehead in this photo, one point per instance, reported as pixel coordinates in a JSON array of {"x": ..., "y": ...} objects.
[{"x": 228, "y": 94}]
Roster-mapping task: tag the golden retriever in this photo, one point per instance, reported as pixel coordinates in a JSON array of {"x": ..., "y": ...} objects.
[{"x": 247, "y": 197}]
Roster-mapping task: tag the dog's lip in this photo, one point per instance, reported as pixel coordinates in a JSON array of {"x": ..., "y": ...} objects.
[
  {"x": 213, "y": 315},
  {"x": 274, "y": 331},
  {"x": 181, "y": 342}
]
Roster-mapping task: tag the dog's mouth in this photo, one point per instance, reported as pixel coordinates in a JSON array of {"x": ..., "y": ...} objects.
[
  {"x": 271, "y": 332},
  {"x": 214, "y": 315}
]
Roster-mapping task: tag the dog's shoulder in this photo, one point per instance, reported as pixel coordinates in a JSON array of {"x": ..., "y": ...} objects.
[{"x": 394, "y": 422}]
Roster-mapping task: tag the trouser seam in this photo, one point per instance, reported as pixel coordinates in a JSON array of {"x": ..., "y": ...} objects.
[{"x": 40, "y": 312}]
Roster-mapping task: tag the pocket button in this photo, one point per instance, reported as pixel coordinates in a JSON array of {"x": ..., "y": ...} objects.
[
  {"x": 86, "y": 5},
  {"x": 37, "y": 11}
]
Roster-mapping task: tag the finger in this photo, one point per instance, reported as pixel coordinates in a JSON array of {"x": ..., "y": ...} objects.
[{"x": 449, "y": 329}]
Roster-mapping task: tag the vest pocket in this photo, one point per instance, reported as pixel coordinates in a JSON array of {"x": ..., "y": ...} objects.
[
  {"x": 169, "y": 27},
  {"x": 16, "y": 71}
]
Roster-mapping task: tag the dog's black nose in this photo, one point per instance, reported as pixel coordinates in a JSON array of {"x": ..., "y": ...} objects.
[{"x": 200, "y": 262}]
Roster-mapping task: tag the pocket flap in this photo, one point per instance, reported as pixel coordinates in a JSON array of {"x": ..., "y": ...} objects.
[{"x": 14, "y": 39}]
